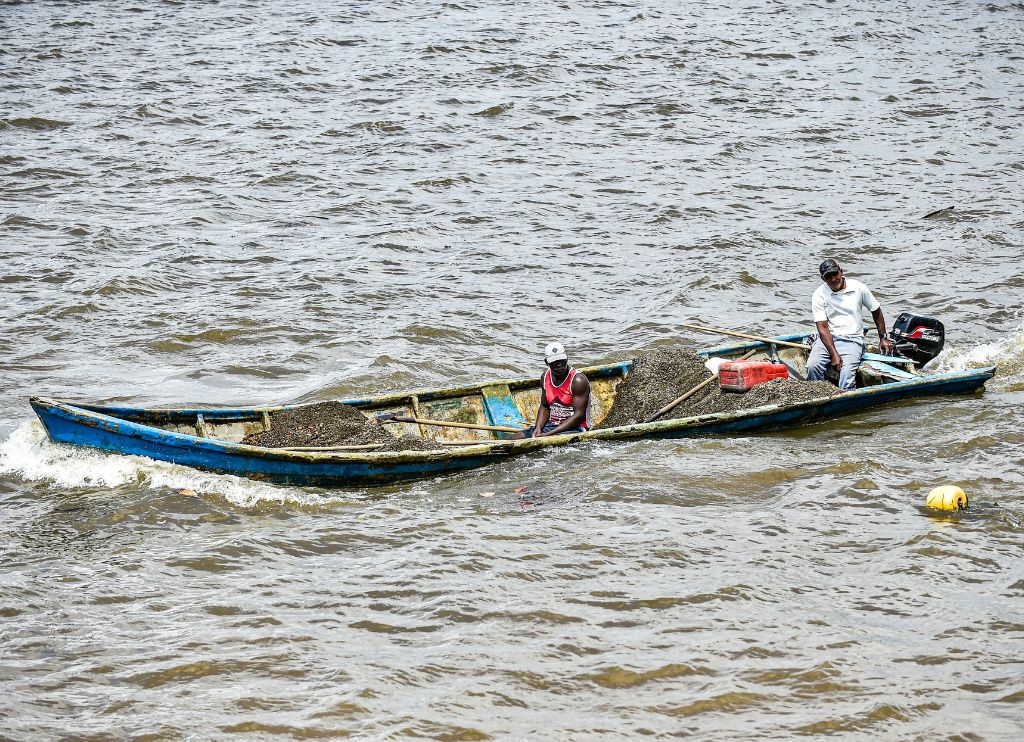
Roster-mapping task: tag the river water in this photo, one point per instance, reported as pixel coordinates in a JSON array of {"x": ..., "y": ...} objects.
[{"x": 268, "y": 202}]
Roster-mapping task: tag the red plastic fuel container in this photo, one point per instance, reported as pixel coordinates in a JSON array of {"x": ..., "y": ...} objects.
[{"x": 742, "y": 376}]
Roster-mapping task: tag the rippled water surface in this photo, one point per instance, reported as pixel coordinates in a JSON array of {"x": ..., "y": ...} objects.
[{"x": 235, "y": 203}]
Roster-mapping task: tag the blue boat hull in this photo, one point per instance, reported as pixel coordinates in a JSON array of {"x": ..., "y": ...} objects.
[
  {"x": 66, "y": 425},
  {"x": 136, "y": 431}
]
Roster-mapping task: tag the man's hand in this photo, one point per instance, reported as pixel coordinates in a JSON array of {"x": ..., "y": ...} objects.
[
  {"x": 837, "y": 361},
  {"x": 887, "y": 346}
]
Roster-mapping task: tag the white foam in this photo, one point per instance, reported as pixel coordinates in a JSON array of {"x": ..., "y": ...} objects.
[
  {"x": 29, "y": 454},
  {"x": 1007, "y": 354}
]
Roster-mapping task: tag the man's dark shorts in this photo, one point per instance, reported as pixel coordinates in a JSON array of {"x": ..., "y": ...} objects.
[{"x": 528, "y": 433}]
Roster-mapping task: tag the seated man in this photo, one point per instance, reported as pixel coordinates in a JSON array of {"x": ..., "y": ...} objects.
[
  {"x": 836, "y": 308},
  {"x": 564, "y": 398}
]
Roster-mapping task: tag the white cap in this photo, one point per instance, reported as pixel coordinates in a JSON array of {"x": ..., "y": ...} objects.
[{"x": 554, "y": 352}]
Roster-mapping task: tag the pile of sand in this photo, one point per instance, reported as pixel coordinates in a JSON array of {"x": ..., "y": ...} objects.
[
  {"x": 776, "y": 391},
  {"x": 660, "y": 375},
  {"x": 331, "y": 424},
  {"x": 656, "y": 378}
]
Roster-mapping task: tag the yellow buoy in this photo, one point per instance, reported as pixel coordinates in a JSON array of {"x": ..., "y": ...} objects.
[{"x": 947, "y": 497}]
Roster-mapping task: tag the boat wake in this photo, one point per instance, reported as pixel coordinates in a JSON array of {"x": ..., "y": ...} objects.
[
  {"x": 28, "y": 453},
  {"x": 1006, "y": 353}
]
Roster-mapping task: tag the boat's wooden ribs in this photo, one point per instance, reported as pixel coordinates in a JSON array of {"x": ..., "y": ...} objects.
[{"x": 414, "y": 401}]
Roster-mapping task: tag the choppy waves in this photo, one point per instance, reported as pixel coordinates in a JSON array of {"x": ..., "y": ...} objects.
[{"x": 263, "y": 203}]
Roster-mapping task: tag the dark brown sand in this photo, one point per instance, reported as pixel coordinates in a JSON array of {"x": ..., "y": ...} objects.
[
  {"x": 776, "y": 391},
  {"x": 660, "y": 375},
  {"x": 656, "y": 378},
  {"x": 332, "y": 424}
]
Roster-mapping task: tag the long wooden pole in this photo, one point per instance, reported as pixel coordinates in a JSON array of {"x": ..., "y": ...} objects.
[
  {"x": 476, "y": 443},
  {"x": 687, "y": 395},
  {"x": 375, "y": 446},
  {"x": 312, "y": 449},
  {"x": 446, "y": 424},
  {"x": 772, "y": 341}
]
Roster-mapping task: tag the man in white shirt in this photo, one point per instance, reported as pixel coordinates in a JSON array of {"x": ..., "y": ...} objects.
[{"x": 836, "y": 307}]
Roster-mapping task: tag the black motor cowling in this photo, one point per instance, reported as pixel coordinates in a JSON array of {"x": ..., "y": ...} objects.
[{"x": 917, "y": 338}]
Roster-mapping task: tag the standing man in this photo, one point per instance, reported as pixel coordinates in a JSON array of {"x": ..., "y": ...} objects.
[
  {"x": 564, "y": 398},
  {"x": 836, "y": 308}
]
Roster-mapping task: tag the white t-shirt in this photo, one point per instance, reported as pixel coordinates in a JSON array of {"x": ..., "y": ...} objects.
[{"x": 842, "y": 308}]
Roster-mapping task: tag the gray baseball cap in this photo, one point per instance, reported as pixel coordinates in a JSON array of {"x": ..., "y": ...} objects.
[{"x": 828, "y": 266}]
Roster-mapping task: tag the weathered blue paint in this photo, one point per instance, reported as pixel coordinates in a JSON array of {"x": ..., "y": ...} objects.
[
  {"x": 887, "y": 359},
  {"x": 135, "y": 430},
  {"x": 67, "y": 424},
  {"x": 891, "y": 370},
  {"x": 500, "y": 408}
]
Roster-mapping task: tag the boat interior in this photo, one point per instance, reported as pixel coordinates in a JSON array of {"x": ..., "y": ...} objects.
[{"x": 510, "y": 404}]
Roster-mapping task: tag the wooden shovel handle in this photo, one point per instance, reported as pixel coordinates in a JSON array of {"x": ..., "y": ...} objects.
[
  {"x": 687, "y": 395},
  {"x": 770, "y": 341},
  {"x": 446, "y": 424},
  {"x": 314, "y": 449}
]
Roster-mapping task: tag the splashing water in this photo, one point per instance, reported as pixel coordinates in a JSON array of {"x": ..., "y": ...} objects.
[
  {"x": 28, "y": 453},
  {"x": 1006, "y": 353}
]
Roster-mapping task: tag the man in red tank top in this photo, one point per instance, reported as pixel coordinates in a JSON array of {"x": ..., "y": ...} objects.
[{"x": 564, "y": 397}]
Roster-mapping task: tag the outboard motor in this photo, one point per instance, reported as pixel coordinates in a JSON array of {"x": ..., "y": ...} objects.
[{"x": 918, "y": 338}]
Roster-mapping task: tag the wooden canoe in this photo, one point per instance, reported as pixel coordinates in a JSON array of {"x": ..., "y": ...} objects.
[{"x": 209, "y": 439}]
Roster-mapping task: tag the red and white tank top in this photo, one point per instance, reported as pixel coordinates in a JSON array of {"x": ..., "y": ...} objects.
[{"x": 559, "y": 399}]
